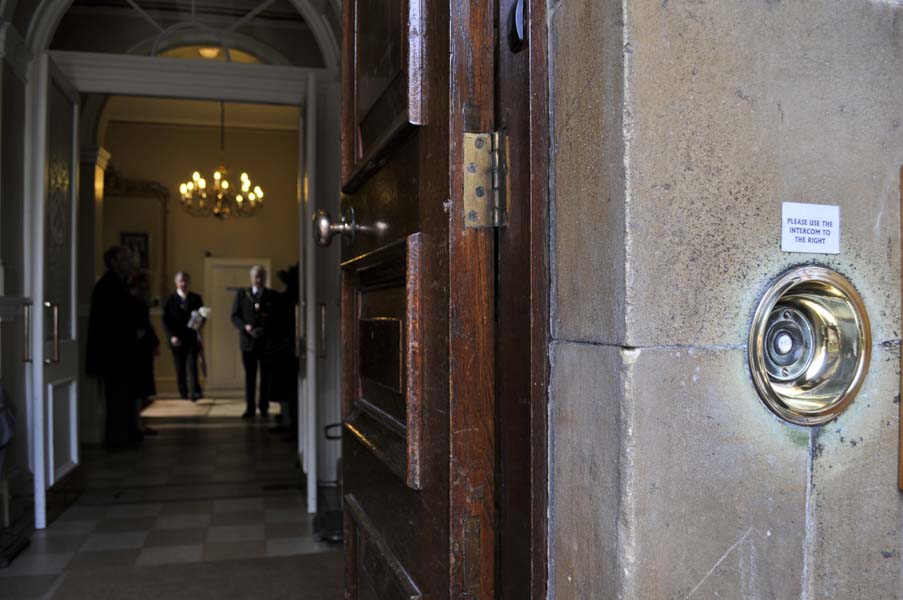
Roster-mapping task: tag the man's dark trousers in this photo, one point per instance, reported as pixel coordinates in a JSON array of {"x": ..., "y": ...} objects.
[
  {"x": 251, "y": 360},
  {"x": 187, "y": 353}
]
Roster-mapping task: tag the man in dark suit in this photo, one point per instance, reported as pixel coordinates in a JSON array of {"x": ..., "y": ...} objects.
[
  {"x": 113, "y": 348},
  {"x": 251, "y": 313},
  {"x": 183, "y": 340}
]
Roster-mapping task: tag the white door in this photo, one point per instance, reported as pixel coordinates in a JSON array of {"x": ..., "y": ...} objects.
[
  {"x": 54, "y": 401},
  {"x": 307, "y": 398},
  {"x": 223, "y": 277}
]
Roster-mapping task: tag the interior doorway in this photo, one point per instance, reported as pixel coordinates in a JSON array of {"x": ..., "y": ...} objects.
[
  {"x": 300, "y": 172},
  {"x": 223, "y": 277}
]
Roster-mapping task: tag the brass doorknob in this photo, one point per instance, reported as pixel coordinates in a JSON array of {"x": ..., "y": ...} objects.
[{"x": 325, "y": 229}]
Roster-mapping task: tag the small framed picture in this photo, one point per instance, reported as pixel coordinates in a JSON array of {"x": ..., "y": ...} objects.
[{"x": 137, "y": 244}]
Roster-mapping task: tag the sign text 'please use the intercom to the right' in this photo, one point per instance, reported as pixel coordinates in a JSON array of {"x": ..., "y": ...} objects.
[{"x": 810, "y": 228}]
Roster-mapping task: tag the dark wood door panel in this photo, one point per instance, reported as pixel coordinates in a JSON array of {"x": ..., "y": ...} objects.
[
  {"x": 387, "y": 207},
  {"x": 378, "y": 572},
  {"x": 383, "y": 355},
  {"x": 383, "y": 83},
  {"x": 412, "y": 524}
]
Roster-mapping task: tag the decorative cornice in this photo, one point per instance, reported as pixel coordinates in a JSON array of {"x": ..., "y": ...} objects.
[
  {"x": 96, "y": 155},
  {"x": 114, "y": 184},
  {"x": 14, "y": 50}
]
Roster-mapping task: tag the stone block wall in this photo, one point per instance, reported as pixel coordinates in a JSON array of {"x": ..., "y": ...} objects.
[{"x": 678, "y": 129}]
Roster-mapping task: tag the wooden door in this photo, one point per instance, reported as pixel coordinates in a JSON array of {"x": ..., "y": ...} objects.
[{"x": 417, "y": 299}]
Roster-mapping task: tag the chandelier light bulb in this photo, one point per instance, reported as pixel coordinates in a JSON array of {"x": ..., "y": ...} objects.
[
  {"x": 225, "y": 184},
  {"x": 252, "y": 197},
  {"x": 195, "y": 176},
  {"x": 244, "y": 177},
  {"x": 217, "y": 175},
  {"x": 183, "y": 189},
  {"x": 202, "y": 183},
  {"x": 190, "y": 185},
  {"x": 239, "y": 199}
]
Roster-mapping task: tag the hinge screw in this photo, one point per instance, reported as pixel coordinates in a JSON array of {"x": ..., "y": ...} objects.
[{"x": 479, "y": 143}]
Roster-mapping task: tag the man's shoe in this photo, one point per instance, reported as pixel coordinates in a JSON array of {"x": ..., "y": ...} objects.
[
  {"x": 247, "y": 415},
  {"x": 194, "y": 397}
]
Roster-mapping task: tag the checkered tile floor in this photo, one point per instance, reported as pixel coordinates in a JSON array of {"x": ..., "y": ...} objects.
[{"x": 206, "y": 488}]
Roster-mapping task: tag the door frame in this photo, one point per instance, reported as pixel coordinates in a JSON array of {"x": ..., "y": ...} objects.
[
  {"x": 540, "y": 291},
  {"x": 129, "y": 75},
  {"x": 210, "y": 265},
  {"x": 473, "y": 109}
]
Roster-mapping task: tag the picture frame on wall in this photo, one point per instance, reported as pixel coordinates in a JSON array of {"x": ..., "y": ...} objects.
[{"x": 137, "y": 244}]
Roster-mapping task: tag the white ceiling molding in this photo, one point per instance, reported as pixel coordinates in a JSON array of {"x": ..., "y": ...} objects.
[
  {"x": 196, "y": 113},
  {"x": 48, "y": 14},
  {"x": 14, "y": 50},
  {"x": 191, "y": 79}
]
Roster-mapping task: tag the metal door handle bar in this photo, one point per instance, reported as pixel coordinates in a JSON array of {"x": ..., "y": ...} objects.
[
  {"x": 26, "y": 349},
  {"x": 298, "y": 330},
  {"x": 55, "y": 315}
]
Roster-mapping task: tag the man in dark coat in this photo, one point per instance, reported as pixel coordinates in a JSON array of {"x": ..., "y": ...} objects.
[
  {"x": 251, "y": 313},
  {"x": 183, "y": 340},
  {"x": 280, "y": 352},
  {"x": 112, "y": 348}
]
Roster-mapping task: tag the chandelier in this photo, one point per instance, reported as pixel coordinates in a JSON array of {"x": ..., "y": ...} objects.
[{"x": 220, "y": 198}]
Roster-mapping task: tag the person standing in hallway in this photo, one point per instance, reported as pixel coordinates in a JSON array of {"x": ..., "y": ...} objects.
[
  {"x": 148, "y": 348},
  {"x": 113, "y": 351},
  {"x": 251, "y": 312},
  {"x": 183, "y": 340},
  {"x": 280, "y": 353}
]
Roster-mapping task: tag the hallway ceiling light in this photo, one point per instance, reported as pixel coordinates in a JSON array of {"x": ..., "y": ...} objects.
[
  {"x": 219, "y": 197},
  {"x": 209, "y": 52}
]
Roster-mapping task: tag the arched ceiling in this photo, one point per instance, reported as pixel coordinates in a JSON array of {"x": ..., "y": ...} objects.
[{"x": 301, "y": 32}]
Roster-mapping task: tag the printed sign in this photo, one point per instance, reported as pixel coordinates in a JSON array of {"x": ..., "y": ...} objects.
[{"x": 810, "y": 228}]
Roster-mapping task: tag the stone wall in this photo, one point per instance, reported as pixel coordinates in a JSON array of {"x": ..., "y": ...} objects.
[{"x": 679, "y": 127}]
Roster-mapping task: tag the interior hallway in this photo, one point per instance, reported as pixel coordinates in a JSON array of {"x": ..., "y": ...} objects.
[{"x": 211, "y": 507}]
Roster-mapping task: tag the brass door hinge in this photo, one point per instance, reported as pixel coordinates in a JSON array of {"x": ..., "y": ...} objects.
[{"x": 485, "y": 175}]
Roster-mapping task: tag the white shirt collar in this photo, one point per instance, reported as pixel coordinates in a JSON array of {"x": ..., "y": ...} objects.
[
  {"x": 254, "y": 289},
  {"x": 181, "y": 294}
]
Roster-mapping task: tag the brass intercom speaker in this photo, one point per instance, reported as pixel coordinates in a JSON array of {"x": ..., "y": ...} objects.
[{"x": 809, "y": 345}]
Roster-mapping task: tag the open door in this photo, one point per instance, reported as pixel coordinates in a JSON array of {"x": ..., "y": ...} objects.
[
  {"x": 54, "y": 399},
  {"x": 417, "y": 300},
  {"x": 307, "y": 425}
]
